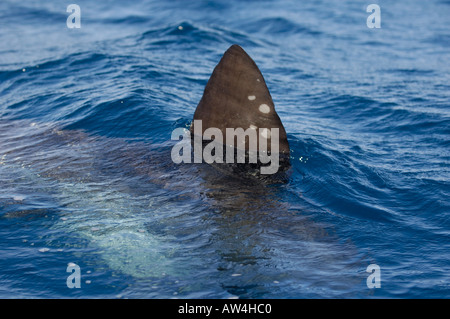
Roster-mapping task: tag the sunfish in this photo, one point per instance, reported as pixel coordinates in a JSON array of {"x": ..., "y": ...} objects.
[{"x": 237, "y": 109}]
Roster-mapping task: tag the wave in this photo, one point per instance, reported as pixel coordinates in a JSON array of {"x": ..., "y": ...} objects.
[
  {"x": 279, "y": 26},
  {"x": 194, "y": 34}
]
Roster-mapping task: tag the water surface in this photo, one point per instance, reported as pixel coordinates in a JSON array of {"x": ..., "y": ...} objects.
[{"x": 86, "y": 177}]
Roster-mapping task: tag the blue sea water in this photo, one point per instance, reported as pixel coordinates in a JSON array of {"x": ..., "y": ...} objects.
[{"x": 86, "y": 116}]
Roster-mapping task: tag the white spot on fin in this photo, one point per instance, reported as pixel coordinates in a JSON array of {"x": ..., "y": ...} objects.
[
  {"x": 251, "y": 97},
  {"x": 264, "y": 108},
  {"x": 265, "y": 133}
]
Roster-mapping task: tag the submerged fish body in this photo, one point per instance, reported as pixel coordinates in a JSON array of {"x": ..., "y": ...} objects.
[{"x": 141, "y": 212}]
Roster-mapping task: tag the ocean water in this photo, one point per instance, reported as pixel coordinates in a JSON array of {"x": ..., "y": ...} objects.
[{"x": 86, "y": 116}]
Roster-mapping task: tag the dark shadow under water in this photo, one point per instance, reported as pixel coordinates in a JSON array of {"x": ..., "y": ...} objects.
[{"x": 151, "y": 219}]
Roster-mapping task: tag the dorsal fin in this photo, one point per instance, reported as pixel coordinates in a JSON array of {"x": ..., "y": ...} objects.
[{"x": 236, "y": 96}]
